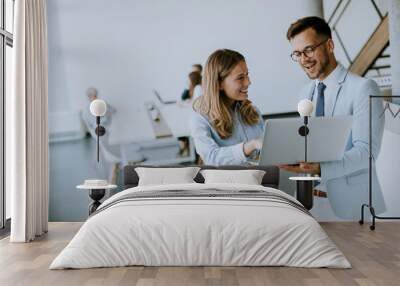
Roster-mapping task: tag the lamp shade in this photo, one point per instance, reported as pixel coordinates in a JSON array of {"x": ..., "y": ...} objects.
[
  {"x": 305, "y": 107},
  {"x": 98, "y": 107}
]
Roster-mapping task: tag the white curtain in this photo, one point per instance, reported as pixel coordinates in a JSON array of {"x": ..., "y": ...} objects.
[{"x": 27, "y": 123}]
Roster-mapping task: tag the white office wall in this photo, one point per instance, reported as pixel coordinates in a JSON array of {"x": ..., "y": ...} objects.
[{"x": 126, "y": 48}]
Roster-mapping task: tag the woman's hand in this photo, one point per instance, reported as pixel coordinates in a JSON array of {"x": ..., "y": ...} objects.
[{"x": 250, "y": 146}]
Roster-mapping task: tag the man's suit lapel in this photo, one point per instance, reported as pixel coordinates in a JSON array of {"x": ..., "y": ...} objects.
[{"x": 330, "y": 102}]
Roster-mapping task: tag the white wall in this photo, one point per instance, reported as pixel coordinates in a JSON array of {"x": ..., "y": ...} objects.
[{"x": 126, "y": 48}]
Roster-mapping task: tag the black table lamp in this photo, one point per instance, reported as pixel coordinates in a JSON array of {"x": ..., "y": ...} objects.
[{"x": 98, "y": 108}]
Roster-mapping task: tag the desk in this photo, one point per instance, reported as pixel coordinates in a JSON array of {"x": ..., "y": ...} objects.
[
  {"x": 178, "y": 117},
  {"x": 158, "y": 123},
  {"x": 130, "y": 127},
  {"x": 135, "y": 125}
]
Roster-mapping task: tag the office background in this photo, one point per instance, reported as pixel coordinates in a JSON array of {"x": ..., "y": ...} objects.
[{"x": 128, "y": 48}]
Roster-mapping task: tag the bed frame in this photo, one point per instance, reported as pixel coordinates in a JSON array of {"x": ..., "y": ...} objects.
[{"x": 270, "y": 179}]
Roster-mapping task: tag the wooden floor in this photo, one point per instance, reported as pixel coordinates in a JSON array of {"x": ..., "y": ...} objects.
[{"x": 374, "y": 255}]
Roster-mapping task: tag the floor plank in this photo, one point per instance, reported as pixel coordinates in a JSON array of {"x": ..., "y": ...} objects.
[{"x": 374, "y": 255}]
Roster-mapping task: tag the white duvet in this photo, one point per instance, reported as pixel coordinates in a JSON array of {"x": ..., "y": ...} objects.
[{"x": 200, "y": 231}]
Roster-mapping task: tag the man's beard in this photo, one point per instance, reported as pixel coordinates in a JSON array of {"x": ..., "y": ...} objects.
[{"x": 322, "y": 70}]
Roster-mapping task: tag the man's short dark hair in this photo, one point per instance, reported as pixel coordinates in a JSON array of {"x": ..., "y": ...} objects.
[{"x": 318, "y": 24}]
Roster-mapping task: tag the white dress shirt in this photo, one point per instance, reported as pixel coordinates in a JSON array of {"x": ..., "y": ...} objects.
[{"x": 330, "y": 81}]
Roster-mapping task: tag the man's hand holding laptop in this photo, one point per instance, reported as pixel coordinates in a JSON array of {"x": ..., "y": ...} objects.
[{"x": 302, "y": 167}]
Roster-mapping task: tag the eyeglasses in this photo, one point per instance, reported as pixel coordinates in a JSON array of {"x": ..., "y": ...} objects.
[{"x": 308, "y": 52}]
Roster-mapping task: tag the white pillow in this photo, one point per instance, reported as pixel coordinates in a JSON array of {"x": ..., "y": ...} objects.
[
  {"x": 163, "y": 176},
  {"x": 248, "y": 177}
]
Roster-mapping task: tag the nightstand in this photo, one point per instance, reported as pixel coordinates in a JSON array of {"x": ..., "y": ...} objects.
[
  {"x": 97, "y": 190},
  {"x": 304, "y": 191}
]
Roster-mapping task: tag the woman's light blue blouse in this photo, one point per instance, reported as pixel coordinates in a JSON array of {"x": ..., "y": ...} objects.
[{"x": 217, "y": 151}]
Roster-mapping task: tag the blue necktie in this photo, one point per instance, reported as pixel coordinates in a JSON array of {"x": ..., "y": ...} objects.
[{"x": 319, "y": 111}]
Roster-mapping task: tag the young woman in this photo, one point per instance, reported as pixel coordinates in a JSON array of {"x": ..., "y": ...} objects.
[
  {"x": 226, "y": 127},
  {"x": 194, "y": 86}
]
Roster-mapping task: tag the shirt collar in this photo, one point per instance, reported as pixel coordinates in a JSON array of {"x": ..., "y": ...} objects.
[{"x": 332, "y": 78}]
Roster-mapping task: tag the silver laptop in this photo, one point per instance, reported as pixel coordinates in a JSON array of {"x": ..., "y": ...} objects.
[
  {"x": 157, "y": 94},
  {"x": 326, "y": 140}
]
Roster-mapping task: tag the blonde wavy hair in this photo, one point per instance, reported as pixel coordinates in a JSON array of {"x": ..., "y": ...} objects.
[{"x": 214, "y": 103}]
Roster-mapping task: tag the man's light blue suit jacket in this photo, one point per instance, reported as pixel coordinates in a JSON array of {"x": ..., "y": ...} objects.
[{"x": 346, "y": 180}]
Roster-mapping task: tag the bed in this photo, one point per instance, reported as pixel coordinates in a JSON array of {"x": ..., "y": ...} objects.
[{"x": 201, "y": 224}]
